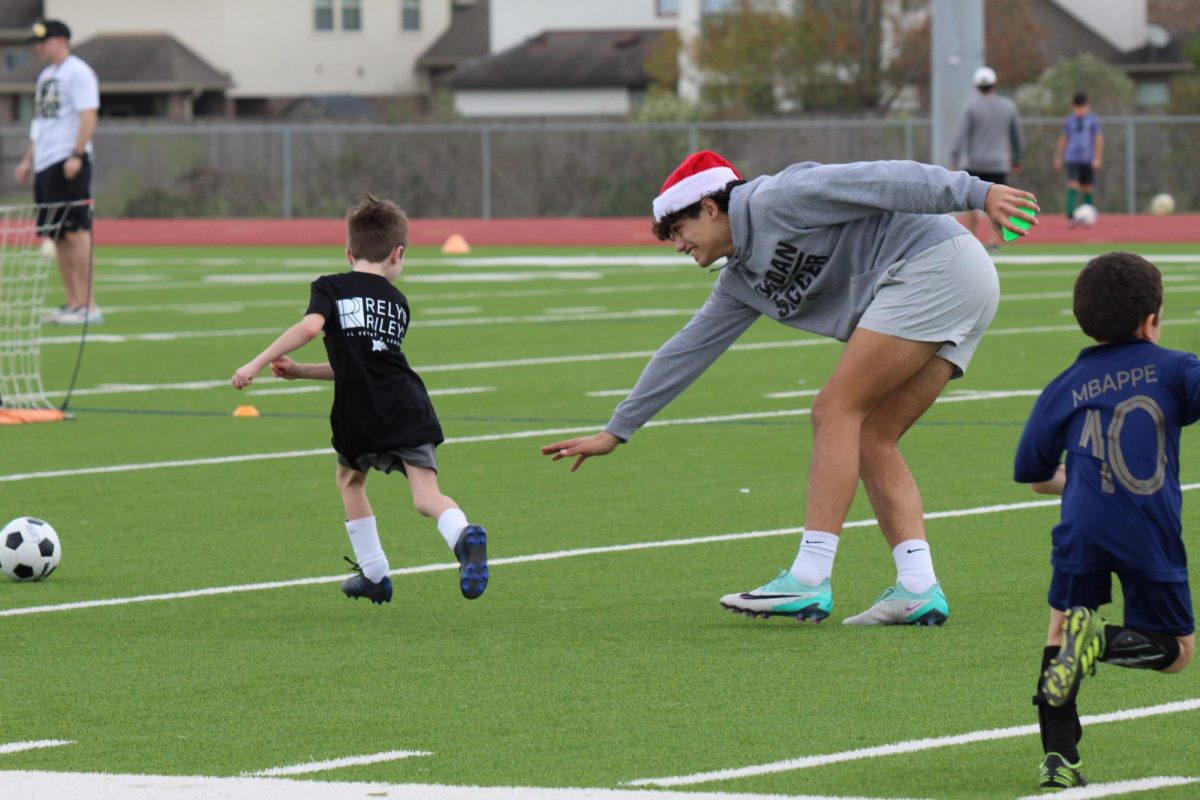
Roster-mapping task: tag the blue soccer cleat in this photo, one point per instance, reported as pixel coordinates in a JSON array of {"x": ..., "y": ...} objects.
[
  {"x": 471, "y": 551},
  {"x": 357, "y": 586}
]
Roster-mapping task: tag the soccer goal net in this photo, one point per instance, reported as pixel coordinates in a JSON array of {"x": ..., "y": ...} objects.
[{"x": 27, "y": 234}]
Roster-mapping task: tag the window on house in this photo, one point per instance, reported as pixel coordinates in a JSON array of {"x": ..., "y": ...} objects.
[
  {"x": 715, "y": 6},
  {"x": 667, "y": 8},
  {"x": 352, "y": 15},
  {"x": 410, "y": 15},
  {"x": 323, "y": 15}
]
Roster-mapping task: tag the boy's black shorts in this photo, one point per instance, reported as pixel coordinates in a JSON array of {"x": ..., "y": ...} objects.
[
  {"x": 51, "y": 187},
  {"x": 1163, "y": 606},
  {"x": 1081, "y": 173},
  {"x": 419, "y": 456}
]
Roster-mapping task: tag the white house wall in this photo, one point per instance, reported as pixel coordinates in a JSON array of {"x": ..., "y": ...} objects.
[
  {"x": 542, "y": 102},
  {"x": 269, "y": 47},
  {"x": 1121, "y": 22},
  {"x": 514, "y": 21}
]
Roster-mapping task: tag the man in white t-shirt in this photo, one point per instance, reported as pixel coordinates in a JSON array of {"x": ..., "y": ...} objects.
[{"x": 59, "y": 156}]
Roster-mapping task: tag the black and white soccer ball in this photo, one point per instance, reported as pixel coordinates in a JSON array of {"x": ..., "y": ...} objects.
[{"x": 29, "y": 549}]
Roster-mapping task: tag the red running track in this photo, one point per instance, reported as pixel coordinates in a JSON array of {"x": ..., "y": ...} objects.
[{"x": 587, "y": 232}]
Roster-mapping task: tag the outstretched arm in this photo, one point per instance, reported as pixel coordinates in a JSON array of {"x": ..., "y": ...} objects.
[
  {"x": 293, "y": 338},
  {"x": 685, "y": 356},
  {"x": 289, "y": 370}
]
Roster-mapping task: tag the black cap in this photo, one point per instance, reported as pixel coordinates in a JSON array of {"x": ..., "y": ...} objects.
[{"x": 48, "y": 28}]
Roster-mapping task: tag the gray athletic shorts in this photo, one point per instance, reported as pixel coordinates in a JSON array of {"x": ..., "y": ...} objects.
[
  {"x": 947, "y": 294},
  {"x": 419, "y": 456}
]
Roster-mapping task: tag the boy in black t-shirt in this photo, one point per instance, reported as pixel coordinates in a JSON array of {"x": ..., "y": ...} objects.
[{"x": 381, "y": 417}]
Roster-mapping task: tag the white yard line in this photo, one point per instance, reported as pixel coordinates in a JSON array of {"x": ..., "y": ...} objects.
[
  {"x": 38, "y": 744},
  {"x": 488, "y": 437},
  {"x": 553, "y": 555},
  {"x": 910, "y": 746},
  {"x": 1116, "y": 788},
  {"x": 75, "y": 785},
  {"x": 336, "y": 763}
]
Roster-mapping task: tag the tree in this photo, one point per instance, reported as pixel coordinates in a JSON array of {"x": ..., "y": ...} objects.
[
  {"x": 1012, "y": 43},
  {"x": 1108, "y": 88}
]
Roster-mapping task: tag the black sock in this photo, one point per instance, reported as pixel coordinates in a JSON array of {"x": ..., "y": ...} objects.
[
  {"x": 1060, "y": 727},
  {"x": 1139, "y": 649}
]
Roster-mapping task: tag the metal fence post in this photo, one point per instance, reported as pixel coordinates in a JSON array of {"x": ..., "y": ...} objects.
[
  {"x": 286, "y": 167},
  {"x": 908, "y": 139},
  {"x": 1130, "y": 166},
  {"x": 693, "y": 139},
  {"x": 485, "y": 167}
]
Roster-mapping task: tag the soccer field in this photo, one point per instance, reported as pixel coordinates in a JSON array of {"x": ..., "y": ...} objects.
[{"x": 195, "y": 626}]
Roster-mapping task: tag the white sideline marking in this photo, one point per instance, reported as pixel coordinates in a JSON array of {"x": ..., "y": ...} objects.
[
  {"x": 796, "y": 393},
  {"x": 911, "y": 746},
  {"x": 284, "y": 390},
  {"x": 552, "y": 555},
  {"x": 1162, "y": 258},
  {"x": 608, "y": 393},
  {"x": 20, "y": 747},
  {"x": 335, "y": 763},
  {"x": 1116, "y": 788},
  {"x": 74, "y": 785},
  {"x": 487, "y": 437}
]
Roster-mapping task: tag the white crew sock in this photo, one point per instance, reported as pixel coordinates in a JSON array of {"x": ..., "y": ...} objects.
[
  {"x": 368, "y": 552},
  {"x": 914, "y": 565},
  {"x": 450, "y": 525},
  {"x": 814, "y": 562}
]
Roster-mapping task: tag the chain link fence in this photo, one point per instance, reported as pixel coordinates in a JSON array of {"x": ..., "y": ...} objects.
[{"x": 548, "y": 169}]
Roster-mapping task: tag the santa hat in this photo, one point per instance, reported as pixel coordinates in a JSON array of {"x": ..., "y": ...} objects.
[{"x": 700, "y": 175}]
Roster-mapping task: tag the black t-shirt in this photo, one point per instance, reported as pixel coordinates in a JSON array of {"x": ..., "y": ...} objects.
[{"x": 379, "y": 403}]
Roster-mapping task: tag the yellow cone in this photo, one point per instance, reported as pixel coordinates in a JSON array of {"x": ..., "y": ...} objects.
[
  {"x": 456, "y": 245},
  {"x": 245, "y": 411}
]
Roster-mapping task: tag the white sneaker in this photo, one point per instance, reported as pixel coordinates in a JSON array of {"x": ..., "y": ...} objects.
[
  {"x": 898, "y": 606},
  {"x": 76, "y": 316}
]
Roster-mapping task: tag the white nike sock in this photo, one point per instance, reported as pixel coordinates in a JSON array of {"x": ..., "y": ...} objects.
[
  {"x": 450, "y": 524},
  {"x": 368, "y": 552},
  {"x": 914, "y": 565},
  {"x": 814, "y": 562}
]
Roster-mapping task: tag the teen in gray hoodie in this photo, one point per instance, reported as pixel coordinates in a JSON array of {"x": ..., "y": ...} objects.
[{"x": 864, "y": 253}]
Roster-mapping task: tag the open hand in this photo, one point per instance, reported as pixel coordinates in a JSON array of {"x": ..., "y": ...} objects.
[{"x": 582, "y": 448}]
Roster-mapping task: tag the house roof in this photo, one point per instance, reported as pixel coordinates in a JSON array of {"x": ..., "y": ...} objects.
[
  {"x": 1066, "y": 36},
  {"x": 134, "y": 63},
  {"x": 561, "y": 59},
  {"x": 466, "y": 38},
  {"x": 16, "y": 17}
]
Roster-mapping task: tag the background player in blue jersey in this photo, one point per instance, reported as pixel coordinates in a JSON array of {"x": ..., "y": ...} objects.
[
  {"x": 1117, "y": 412},
  {"x": 381, "y": 417},
  {"x": 1079, "y": 151}
]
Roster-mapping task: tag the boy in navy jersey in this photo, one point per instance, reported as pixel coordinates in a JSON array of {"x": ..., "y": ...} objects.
[
  {"x": 1117, "y": 412},
  {"x": 381, "y": 417}
]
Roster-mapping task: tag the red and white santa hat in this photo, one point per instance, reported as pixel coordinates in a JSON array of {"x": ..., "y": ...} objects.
[{"x": 700, "y": 175}]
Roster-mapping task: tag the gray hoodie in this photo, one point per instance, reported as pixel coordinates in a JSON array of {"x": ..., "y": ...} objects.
[{"x": 810, "y": 245}]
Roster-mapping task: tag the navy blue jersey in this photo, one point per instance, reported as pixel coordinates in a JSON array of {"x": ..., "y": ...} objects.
[
  {"x": 379, "y": 402},
  {"x": 1117, "y": 412}
]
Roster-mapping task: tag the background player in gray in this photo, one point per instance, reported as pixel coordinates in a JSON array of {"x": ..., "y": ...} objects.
[
  {"x": 863, "y": 253},
  {"x": 988, "y": 144}
]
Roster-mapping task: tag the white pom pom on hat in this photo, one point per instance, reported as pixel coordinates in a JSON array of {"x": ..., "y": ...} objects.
[{"x": 701, "y": 174}]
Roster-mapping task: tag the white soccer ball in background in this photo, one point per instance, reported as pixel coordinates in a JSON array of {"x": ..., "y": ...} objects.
[
  {"x": 29, "y": 549},
  {"x": 48, "y": 249},
  {"x": 1085, "y": 215},
  {"x": 1162, "y": 204}
]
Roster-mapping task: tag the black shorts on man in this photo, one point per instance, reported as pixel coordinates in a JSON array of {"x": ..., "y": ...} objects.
[
  {"x": 55, "y": 195},
  {"x": 991, "y": 177}
]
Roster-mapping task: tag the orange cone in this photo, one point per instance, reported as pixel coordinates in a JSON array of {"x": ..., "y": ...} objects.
[
  {"x": 245, "y": 411},
  {"x": 456, "y": 245}
]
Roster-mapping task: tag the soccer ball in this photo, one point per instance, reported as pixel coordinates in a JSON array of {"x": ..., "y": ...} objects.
[
  {"x": 1085, "y": 214},
  {"x": 1162, "y": 204},
  {"x": 29, "y": 549}
]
